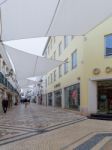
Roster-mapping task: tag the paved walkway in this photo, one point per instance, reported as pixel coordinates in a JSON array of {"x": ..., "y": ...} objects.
[{"x": 45, "y": 128}]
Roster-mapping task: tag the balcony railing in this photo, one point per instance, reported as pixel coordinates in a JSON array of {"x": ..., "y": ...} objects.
[{"x": 6, "y": 83}]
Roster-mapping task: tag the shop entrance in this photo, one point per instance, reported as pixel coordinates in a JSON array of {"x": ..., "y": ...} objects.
[
  {"x": 57, "y": 98},
  {"x": 49, "y": 99},
  {"x": 104, "y": 96}
]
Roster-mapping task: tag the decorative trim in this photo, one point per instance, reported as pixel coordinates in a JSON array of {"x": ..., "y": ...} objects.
[
  {"x": 108, "y": 69},
  {"x": 96, "y": 71}
]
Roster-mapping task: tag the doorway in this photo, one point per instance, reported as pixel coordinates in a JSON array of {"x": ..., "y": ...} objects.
[{"x": 104, "y": 96}]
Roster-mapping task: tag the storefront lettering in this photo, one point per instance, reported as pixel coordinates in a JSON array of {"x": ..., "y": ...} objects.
[{"x": 57, "y": 85}]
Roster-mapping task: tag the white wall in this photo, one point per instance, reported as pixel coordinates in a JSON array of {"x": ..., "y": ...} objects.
[{"x": 92, "y": 97}]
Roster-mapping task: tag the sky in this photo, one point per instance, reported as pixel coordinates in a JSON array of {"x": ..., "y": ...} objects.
[{"x": 33, "y": 46}]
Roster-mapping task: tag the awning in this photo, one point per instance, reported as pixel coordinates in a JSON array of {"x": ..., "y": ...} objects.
[
  {"x": 28, "y": 65},
  {"x": 38, "y": 18}
]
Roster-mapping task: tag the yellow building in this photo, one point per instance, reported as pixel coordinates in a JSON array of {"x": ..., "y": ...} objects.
[{"x": 84, "y": 81}]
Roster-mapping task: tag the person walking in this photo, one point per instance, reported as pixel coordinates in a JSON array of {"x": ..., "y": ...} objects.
[
  {"x": 5, "y": 104},
  {"x": 26, "y": 102}
]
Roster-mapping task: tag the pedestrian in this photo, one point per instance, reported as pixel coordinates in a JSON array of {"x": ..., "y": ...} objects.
[
  {"x": 5, "y": 104},
  {"x": 26, "y": 102}
]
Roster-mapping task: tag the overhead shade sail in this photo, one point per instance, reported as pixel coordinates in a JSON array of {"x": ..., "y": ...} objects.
[
  {"x": 26, "y": 18},
  {"x": 39, "y": 18},
  {"x": 28, "y": 65}
]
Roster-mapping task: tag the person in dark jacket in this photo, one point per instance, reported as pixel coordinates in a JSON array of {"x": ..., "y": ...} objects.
[{"x": 5, "y": 104}]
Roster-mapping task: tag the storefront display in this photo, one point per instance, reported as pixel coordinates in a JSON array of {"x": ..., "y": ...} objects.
[
  {"x": 105, "y": 96},
  {"x": 72, "y": 96},
  {"x": 49, "y": 99}
]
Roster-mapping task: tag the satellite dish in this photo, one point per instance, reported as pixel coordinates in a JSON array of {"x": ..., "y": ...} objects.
[{"x": 2, "y": 1}]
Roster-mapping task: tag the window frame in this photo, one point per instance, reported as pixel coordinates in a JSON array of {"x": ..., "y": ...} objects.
[
  {"x": 74, "y": 66},
  {"x": 66, "y": 64},
  {"x": 54, "y": 75},
  {"x": 60, "y": 71},
  {"x": 105, "y": 53}
]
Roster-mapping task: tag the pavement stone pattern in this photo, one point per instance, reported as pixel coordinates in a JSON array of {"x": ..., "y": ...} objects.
[
  {"x": 89, "y": 144},
  {"x": 21, "y": 122},
  {"x": 47, "y": 128}
]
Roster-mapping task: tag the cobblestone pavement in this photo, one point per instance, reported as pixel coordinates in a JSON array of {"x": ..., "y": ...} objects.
[{"x": 47, "y": 128}]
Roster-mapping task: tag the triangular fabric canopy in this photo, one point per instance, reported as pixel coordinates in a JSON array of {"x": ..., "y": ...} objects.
[
  {"x": 29, "y": 65},
  {"x": 38, "y": 18}
]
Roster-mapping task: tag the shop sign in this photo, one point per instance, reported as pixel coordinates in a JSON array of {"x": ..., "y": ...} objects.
[{"x": 57, "y": 85}]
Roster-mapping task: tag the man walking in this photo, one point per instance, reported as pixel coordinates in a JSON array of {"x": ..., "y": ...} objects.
[{"x": 5, "y": 104}]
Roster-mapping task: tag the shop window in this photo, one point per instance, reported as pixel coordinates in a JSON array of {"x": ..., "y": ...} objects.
[
  {"x": 72, "y": 96},
  {"x": 50, "y": 99},
  {"x": 108, "y": 45}
]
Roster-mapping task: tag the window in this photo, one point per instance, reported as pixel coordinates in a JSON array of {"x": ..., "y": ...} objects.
[
  {"x": 60, "y": 48},
  {"x": 54, "y": 39},
  {"x": 55, "y": 55},
  {"x": 66, "y": 66},
  {"x": 60, "y": 71},
  {"x": 46, "y": 83},
  {"x": 51, "y": 44},
  {"x": 108, "y": 45},
  {"x": 48, "y": 80},
  {"x": 51, "y": 78},
  {"x": 65, "y": 41},
  {"x": 55, "y": 75},
  {"x": 74, "y": 59}
]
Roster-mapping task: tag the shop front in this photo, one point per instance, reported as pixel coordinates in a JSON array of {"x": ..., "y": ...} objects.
[
  {"x": 72, "y": 97},
  {"x": 58, "y": 98},
  {"x": 49, "y": 99},
  {"x": 104, "y": 98}
]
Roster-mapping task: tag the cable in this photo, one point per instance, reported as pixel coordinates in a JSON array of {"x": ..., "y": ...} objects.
[{"x": 53, "y": 17}]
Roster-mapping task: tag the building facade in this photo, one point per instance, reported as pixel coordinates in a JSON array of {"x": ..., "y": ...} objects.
[
  {"x": 8, "y": 83},
  {"x": 84, "y": 81}
]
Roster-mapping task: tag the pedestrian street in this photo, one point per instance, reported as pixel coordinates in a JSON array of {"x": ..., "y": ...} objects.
[
  {"x": 20, "y": 122},
  {"x": 39, "y": 127}
]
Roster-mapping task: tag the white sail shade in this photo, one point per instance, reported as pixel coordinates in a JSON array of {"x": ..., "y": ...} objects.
[
  {"x": 38, "y": 18},
  {"x": 29, "y": 65}
]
